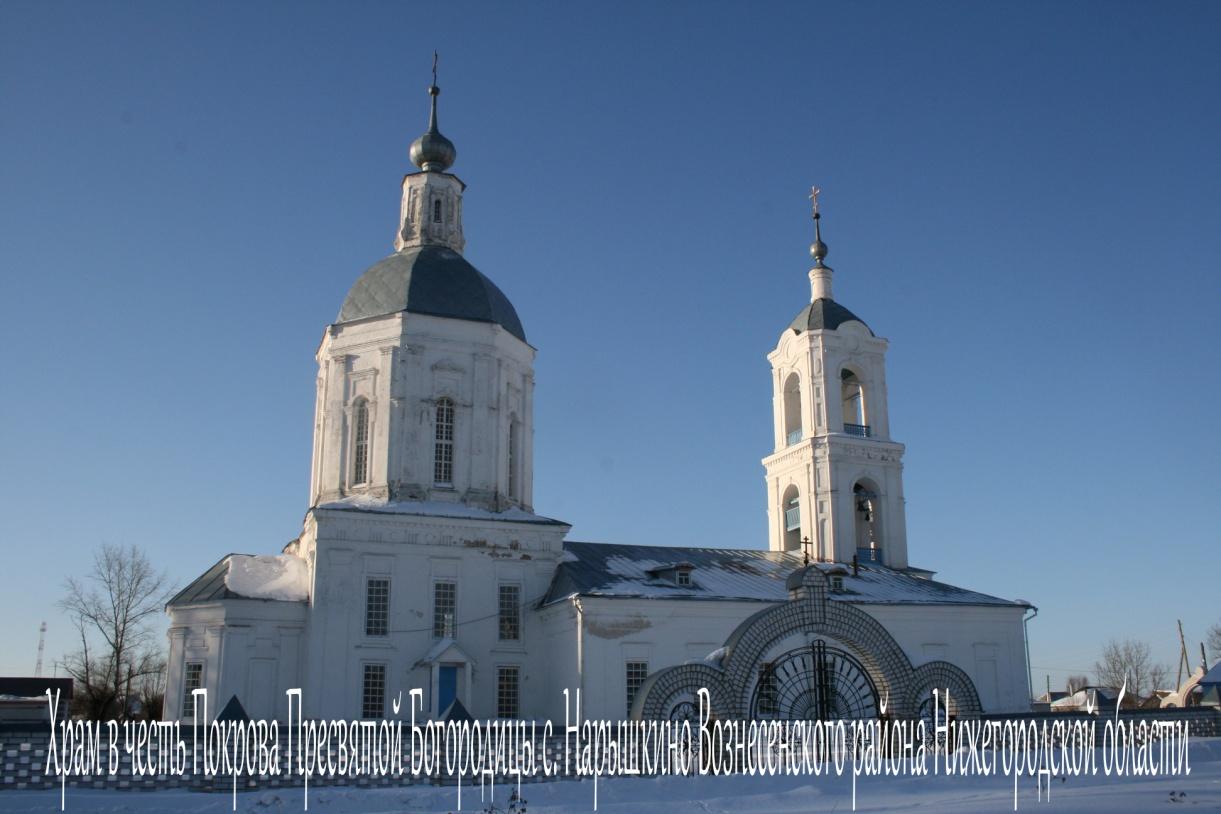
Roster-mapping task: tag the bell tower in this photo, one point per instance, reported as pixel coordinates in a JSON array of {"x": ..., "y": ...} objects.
[{"x": 835, "y": 477}]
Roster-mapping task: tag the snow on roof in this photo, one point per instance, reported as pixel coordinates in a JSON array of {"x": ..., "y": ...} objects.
[
  {"x": 435, "y": 508},
  {"x": 286, "y": 579},
  {"x": 283, "y": 577},
  {"x": 625, "y": 571}
]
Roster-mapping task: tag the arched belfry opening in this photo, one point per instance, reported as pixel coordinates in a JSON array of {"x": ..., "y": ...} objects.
[
  {"x": 790, "y": 506},
  {"x": 852, "y": 393},
  {"x": 793, "y": 430},
  {"x": 867, "y": 512}
]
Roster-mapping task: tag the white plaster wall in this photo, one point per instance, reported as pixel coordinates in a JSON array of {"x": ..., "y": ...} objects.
[
  {"x": 666, "y": 633},
  {"x": 403, "y": 364},
  {"x": 249, "y": 648},
  {"x": 662, "y": 632},
  {"x": 988, "y": 643},
  {"x": 414, "y": 552}
]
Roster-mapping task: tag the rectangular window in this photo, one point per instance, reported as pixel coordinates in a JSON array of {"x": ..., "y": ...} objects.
[
  {"x": 635, "y": 673},
  {"x": 682, "y": 577},
  {"x": 360, "y": 458},
  {"x": 443, "y": 453},
  {"x": 510, "y": 613},
  {"x": 373, "y": 692},
  {"x": 507, "y": 685},
  {"x": 444, "y": 605},
  {"x": 514, "y": 433},
  {"x": 192, "y": 679},
  {"x": 377, "y": 606}
]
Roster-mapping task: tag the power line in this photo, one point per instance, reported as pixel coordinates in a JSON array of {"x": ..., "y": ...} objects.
[{"x": 430, "y": 628}]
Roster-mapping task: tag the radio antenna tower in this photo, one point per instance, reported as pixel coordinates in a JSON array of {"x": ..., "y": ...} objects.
[{"x": 42, "y": 643}]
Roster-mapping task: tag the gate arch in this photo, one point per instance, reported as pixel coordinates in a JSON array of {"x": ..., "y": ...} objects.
[{"x": 860, "y": 643}]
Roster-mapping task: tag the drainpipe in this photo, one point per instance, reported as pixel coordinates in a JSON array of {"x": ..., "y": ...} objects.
[
  {"x": 1026, "y": 636},
  {"x": 576, "y": 603}
]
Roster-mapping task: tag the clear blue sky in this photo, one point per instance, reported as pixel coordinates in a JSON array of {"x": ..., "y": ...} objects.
[{"x": 1022, "y": 197}]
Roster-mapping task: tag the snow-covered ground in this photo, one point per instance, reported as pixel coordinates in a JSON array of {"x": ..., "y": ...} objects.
[{"x": 1200, "y": 791}]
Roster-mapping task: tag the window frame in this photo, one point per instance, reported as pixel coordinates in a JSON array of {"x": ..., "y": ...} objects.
[
  {"x": 635, "y": 671},
  {"x": 444, "y": 426},
  {"x": 360, "y": 442},
  {"x": 513, "y": 487},
  {"x": 515, "y": 619},
  {"x": 368, "y": 668},
  {"x": 188, "y": 701},
  {"x": 440, "y": 629},
  {"x": 382, "y": 628},
  {"x": 504, "y": 671}
]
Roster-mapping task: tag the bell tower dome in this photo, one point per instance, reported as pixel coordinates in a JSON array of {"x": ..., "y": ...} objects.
[{"x": 835, "y": 477}]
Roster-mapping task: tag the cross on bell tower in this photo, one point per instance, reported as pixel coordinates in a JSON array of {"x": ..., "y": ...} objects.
[{"x": 834, "y": 478}]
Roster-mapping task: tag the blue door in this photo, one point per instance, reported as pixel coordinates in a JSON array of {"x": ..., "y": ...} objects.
[{"x": 447, "y": 687}]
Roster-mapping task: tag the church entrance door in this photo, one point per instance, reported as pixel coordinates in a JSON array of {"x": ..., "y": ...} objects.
[{"x": 447, "y": 686}]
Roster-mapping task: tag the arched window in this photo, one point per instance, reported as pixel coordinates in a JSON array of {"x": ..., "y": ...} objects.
[
  {"x": 360, "y": 442},
  {"x": 443, "y": 451},
  {"x": 868, "y": 522},
  {"x": 853, "y": 395},
  {"x": 791, "y": 505},
  {"x": 436, "y": 211},
  {"x": 514, "y": 458},
  {"x": 792, "y": 410}
]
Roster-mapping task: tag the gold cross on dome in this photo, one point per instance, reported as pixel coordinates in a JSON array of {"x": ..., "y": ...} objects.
[{"x": 814, "y": 193}]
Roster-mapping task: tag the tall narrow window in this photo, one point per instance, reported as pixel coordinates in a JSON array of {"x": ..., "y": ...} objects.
[
  {"x": 443, "y": 453},
  {"x": 444, "y": 604},
  {"x": 635, "y": 672},
  {"x": 192, "y": 679},
  {"x": 377, "y": 606},
  {"x": 514, "y": 455},
  {"x": 508, "y": 684},
  {"x": 360, "y": 442},
  {"x": 373, "y": 691},
  {"x": 510, "y": 613},
  {"x": 436, "y": 211}
]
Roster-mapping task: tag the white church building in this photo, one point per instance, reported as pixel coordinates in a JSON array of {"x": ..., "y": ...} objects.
[{"x": 422, "y": 562}]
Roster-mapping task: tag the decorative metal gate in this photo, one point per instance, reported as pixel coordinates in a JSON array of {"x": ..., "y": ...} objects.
[{"x": 816, "y": 683}]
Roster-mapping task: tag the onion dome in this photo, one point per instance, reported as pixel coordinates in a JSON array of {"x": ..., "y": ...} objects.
[{"x": 433, "y": 152}]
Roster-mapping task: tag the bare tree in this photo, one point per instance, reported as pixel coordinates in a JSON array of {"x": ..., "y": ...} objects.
[
  {"x": 1214, "y": 641},
  {"x": 1130, "y": 662},
  {"x": 1075, "y": 683},
  {"x": 112, "y": 608}
]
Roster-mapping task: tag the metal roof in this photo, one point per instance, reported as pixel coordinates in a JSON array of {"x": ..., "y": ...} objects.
[
  {"x": 629, "y": 571},
  {"x": 433, "y": 280},
  {"x": 210, "y": 586},
  {"x": 207, "y": 587},
  {"x": 824, "y": 314}
]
